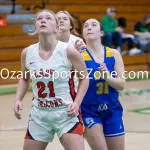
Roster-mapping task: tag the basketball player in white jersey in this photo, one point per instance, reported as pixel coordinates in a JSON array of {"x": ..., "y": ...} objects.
[
  {"x": 66, "y": 28},
  {"x": 64, "y": 34},
  {"x": 55, "y": 103}
]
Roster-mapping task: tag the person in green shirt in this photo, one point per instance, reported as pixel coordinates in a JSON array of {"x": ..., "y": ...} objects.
[
  {"x": 142, "y": 33},
  {"x": 112, "y": 33}
]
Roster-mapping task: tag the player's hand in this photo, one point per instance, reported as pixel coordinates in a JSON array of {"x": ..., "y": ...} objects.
[
  {"x": 73, "y": 109},
  {"x": 104, "y": 71},
  {"x": 80, "y": 45},
  {"x": 17, "y": 108}
]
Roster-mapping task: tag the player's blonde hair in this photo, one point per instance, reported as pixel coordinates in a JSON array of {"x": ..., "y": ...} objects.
[
  {"x": 71, "y": 21},
  {"x": 35, "y": 19}
]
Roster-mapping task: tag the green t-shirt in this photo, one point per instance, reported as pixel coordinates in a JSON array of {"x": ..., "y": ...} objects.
[
  {"x": 140, "y": 28},
  {"x": 109, "y": 24}
]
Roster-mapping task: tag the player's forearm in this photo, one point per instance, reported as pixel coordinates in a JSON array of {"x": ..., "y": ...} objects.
[
  {"x": 22, "y": 88},
  {"x": 82, "y": 88},
  {"x": 118, "y": 84}
]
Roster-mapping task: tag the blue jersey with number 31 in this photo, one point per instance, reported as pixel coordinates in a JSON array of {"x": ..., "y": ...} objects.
[{"x": 99, "y": 92}]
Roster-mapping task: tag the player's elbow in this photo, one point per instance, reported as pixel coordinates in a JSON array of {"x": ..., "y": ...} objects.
[
  {"x": 121, "y": 85},
  {"x": 85, "y": 79},
  {"x": 121, "y": 88}
]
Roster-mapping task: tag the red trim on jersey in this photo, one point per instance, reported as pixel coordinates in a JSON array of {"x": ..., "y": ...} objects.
[
  {"x": 80, "y": 116},
  {"x": 76, "y": 129},
  {"x": 28, "y": 135},
  {"x": 72, "y": 86},
  {"x": 73, "y": 95}
]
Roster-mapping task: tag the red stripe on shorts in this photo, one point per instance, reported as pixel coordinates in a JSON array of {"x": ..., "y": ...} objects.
[
  {"x": 76, "y": 129},
  {"x": 28, "y": 135}
]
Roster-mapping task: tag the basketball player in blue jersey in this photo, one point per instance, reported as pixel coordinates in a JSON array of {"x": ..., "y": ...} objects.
[
  {"x": 55, "y": 105},
  {"x": 101, "y": 108}
]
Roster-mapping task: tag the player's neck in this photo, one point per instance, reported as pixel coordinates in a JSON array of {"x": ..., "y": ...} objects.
[
  {"x": 65, "y": 36},
  {"x": 47, "y": 43},
  {"x": 94, "y": 46}
]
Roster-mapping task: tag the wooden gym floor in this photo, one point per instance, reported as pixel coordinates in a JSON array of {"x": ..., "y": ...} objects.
[{"x": 135, "y": 100}]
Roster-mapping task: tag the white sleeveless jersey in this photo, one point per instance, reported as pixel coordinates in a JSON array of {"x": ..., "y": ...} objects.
[
  {"x": 73, "y": 39},
  {"x": 52, "y": 83}
]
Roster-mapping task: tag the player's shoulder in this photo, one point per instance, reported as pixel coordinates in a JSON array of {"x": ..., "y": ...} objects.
[
  {"x": 24, "y": 51},
  {"x": 60, "y": 43},
  {"x": 29, "y": 48},
  {"x": 72, "y": 52},
  {"x": 113, "y": 52},
  {"x": 71, "y": 49},
  {"x": 74, "y": 38}
]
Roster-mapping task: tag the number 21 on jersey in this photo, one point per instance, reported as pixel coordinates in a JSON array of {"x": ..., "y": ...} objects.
[{"x": 41, "y": 86}]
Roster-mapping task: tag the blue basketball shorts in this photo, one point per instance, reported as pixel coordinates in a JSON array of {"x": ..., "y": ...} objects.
[{"x": 110, "y": 119}]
